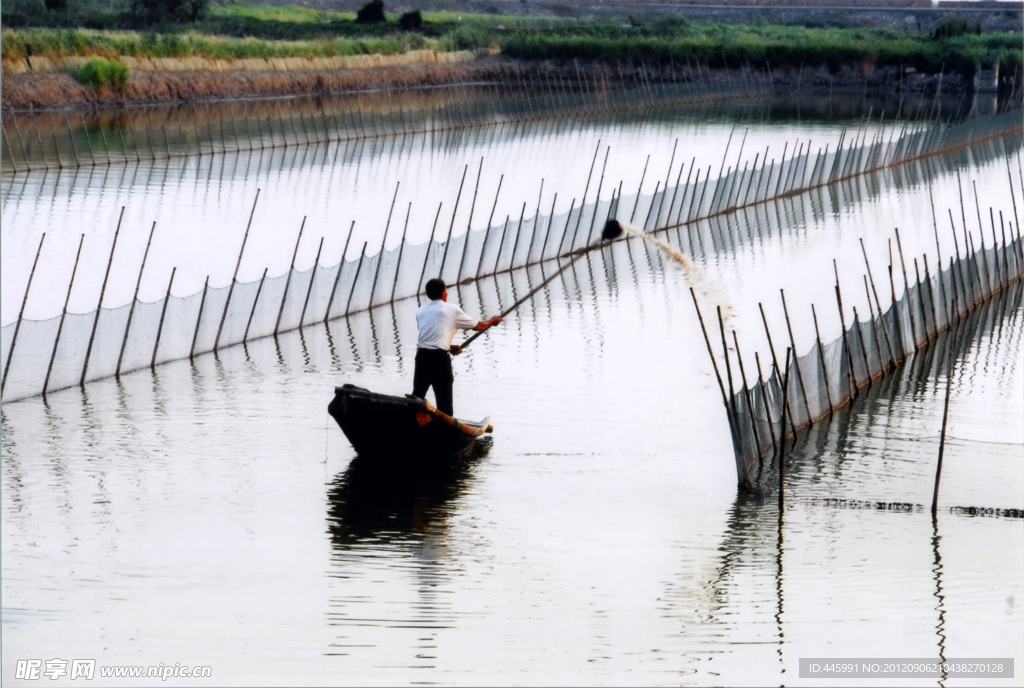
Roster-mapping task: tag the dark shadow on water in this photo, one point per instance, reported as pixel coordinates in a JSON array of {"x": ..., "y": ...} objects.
[{"x": 383, "y": 503}]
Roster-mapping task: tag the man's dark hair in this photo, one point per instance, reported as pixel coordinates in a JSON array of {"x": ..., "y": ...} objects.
[{"x": 435, "y": 288}]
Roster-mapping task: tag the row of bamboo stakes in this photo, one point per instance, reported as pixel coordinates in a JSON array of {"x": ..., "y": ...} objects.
[
  {"x": 972, "y": 277},
  {"x": 727, "y": 196}
]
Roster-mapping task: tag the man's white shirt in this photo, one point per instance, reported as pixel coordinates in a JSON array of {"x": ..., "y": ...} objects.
[{"x": 438, "y": 321}]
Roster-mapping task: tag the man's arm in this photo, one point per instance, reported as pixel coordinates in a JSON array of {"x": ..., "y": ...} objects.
[
  {"x": 480, "y": 326},
  {"x": 484, "y": 324}
]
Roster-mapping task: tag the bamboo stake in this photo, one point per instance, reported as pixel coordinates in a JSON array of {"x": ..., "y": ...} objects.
[
  {"x": 426, "y": 254},
  {"x": 469, "y": 223},
  {"x": 401, "y": 248},
  {"x": 852, "y": 372},
  {"x": 945, "y": 416},
  {"x": 583, "y": 202},
  {"x": 245, "y": 336},
  {"x": 448, "y": 241},
  {"x": 199, "y": 318},
  {"x": 775, "y": 362},
  {"x": 824, "y": 368},
  {"x": 639, "y": 188},
  {"x": 728, "y": 372},
  {"x": 881, "y": 317},
  {"x": 863, "y": 346},
  {"x": 312, "y": 281},
  {"x": 99, "y": 305},
  {"x": 799, "y": 374},
  {"x": 135, "y": 299},
  {"x": 60, "y": 327},
  {"x": 515, "y": 243},
  {"x": 750, "y": 403},
  {"x": 234, "y": 278},
  {"x": 782, "y": 452},
  {"x": 767, "y": 407},
  {"x": 380, "y": 254},
  {"x": 355, "y": 280},
  {"x": 163, "y": 313},
  {"x": 714, "y": 365},
  {"x": 906, "y": 289},
  {"x": 291, "y": 271},
  {"x": 21, "y": 312}
]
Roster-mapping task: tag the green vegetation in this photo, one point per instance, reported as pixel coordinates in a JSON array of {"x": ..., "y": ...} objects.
[
  {"x": 243, "y": 29},
  {"x": 83, "y": 42},
  {"x": 677, "y": 42},
  {"x": 100, "y": 72}
]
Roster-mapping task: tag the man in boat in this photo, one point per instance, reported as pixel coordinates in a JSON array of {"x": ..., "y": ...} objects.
[{"x": 438, "y": 321}]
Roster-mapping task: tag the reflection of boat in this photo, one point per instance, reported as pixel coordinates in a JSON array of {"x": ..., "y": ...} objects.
[
  {"x": 404, "y": 428},
  {"x": 372, "y": 502}
]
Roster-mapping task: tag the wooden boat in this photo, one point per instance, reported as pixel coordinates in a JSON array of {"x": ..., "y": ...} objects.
[{"x": 404, "y": 429}]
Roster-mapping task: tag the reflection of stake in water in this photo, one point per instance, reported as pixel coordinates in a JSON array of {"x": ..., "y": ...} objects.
[{"x": 695, "y": 276}]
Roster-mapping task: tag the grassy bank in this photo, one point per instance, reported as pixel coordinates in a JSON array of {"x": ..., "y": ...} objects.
[
  {"x": 244, "y": 30},
  {"x": 732, "y": 45}
]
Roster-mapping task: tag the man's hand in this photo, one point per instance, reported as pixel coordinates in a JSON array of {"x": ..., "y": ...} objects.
[
  {"x": 495, "y": 321},
  {"x": 455, "y": 349}
]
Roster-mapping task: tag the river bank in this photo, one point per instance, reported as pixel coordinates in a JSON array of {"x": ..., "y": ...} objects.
[{"x": 59, "y": 90}]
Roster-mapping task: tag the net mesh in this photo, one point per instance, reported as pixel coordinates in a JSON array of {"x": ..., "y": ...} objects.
[{"x": 828, "y": 376}]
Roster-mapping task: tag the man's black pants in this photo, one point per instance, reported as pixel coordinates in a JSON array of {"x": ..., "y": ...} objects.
[{"x": 434, "y": 369}]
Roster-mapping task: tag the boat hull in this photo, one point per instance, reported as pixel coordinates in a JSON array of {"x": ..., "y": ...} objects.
[{"x": 403, "y": 429}]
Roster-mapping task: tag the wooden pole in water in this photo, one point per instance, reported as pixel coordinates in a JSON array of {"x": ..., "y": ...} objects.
[
  {"x": 648, "y": 218},
  {"x": 426, "y": 254},
  {"x": 714, "y": 364},
  {"x": 234, "y": 278},
  {"x": 750, "y": 403},
  {"x": 728, "y": 371},
  {"x": 199, "y": 318},
  {"x": 501, "y": 244},
  {"x": 103, "y": 290},
  {"x": 782, "y": 451},
  {"x": 380, "y": 254},
  {"x": 767, "y": 408},
  {"x": 312, "y": 281},
  {"x": 291, "y": 271},
  {"x": 60, "y": 327},
  {"x": 21, "y": 312},
  {"x": 448, "y": 241},
  {"x": 863, "y": 346},
  {"x": 515, "y": 243},
  {"x": 586, "y": 189},
  {"x": 163, "y": 313},
  {"x": 931, "y": 297},
  {"x": 881, "y": 317},
  {"x": 490, "y": 219},
  {"x": 597, "y": 200},
  {"x": 945, "y": 416},
  {"x": 469, "y": 223},
  {"x": 775, "y": 361},
  {"x": 245, "y": 336},
  {"x": 639, "y": 188},
  {"x": 401, "y": 249},
  {"x": 906, "y": 289},
  {"x": 824, "y": 368},
  {"x": 874, "y": 329},
  {"x": 851, "y": 374},
  {"x": 355, "y": 279},
  {"x": 920, "y": 298},
  {"x": 135, "y": 299},
  {"x": 796, "y": 361}
]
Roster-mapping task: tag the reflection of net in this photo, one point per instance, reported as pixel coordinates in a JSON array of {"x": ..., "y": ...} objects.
[
  {"x": 830, "y": 375},
  {"x": 198, "y": 323},
  {"x": 44, "y": 143}
]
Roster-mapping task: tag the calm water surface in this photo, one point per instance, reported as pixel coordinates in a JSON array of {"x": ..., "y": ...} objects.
[{"x": 212, "y": 513}]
